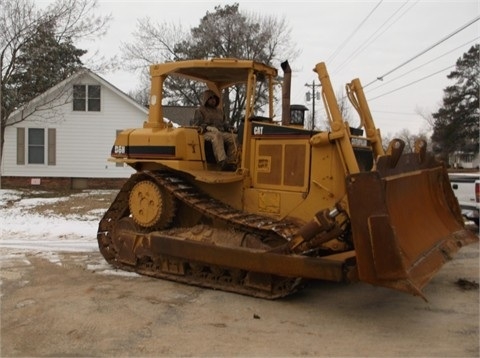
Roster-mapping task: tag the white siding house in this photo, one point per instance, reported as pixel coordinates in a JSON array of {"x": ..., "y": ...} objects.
[
  {"x": 464, "y": 160},
  {"x": 68, "y": 138}
]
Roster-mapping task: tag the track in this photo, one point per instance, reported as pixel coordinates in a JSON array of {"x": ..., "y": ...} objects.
[{"x": 115, "y": 223}]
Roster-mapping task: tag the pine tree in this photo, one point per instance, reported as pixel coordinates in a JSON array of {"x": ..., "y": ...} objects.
[
  {"x": 456, "y": 126},
  {"x": 43, "y": 62}
]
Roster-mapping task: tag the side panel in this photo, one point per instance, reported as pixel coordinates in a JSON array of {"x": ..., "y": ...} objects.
[
  {"x": 280, "y": 174},
  {"x": 292, "y": 179},
  {"x": 281, "y": 164},
  {"x": 273, "y": 203},
  {"x": 159, "y": 143}
]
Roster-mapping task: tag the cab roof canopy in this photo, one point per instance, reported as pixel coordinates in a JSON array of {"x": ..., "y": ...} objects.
[{"x": 224, "y": 72}]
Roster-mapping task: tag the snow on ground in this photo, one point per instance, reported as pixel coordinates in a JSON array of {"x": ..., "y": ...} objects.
[
  {"x": 25, "y": 230},
  {"x": 46, "y": 235}
]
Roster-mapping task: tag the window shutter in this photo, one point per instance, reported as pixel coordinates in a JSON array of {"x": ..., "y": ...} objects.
[
  {"x": 20, "y": 146},
  {"x": 52, "y": 146}
]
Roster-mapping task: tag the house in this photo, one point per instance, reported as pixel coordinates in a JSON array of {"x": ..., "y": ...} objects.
[
  {"x": 464, "y": 160},
  {"x": 67, "y": 135}
]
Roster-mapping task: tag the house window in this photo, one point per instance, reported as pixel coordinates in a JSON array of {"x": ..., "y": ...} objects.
[
  {"x": 93, "y": 98},
  {"x": 36, "y": 146},
  {"x": 86, "y": 98},
  {"x": 32, "y": 145}
]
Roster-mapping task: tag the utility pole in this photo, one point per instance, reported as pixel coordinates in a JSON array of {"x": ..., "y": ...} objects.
[{"x": 313, "y": 94}]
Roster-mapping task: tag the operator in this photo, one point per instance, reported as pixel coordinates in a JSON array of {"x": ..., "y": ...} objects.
[{"x": 211, "y": 120}]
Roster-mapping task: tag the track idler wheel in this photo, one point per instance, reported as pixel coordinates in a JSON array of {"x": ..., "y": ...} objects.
[{"x": 151, "y": 206}]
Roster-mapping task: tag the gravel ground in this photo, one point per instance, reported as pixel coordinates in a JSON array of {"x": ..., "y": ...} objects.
[{"x": 57, "y": 304}]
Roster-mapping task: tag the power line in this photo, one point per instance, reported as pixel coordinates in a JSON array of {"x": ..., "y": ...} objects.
[
  {"x": 422, "y": 65},
  {"x": 392, "y": 112},
  {"x": 369, "y": 40},
  {"x": 418, "y": 80},
  {"x": 412, "y": 83},
  {"x": 380, "y": 78},
  {"x": 335, "y": 53}
]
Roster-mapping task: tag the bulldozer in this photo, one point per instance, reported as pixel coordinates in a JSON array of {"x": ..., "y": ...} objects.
[{"x": 299, "y": 205}]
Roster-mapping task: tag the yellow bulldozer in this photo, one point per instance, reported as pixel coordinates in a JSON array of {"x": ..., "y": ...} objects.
[{"x": 299, "y": 205}]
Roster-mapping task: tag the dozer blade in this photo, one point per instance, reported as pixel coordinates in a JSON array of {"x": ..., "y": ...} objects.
[{"x": 406, "y": 224}]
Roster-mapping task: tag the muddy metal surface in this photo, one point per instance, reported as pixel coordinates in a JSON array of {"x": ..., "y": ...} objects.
[{"x": 74, "y": 304}]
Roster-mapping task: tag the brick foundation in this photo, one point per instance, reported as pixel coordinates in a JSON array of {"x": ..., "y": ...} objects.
[{"x": 50, "y": 183}]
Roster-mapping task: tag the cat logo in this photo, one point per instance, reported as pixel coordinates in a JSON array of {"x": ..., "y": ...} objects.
[{"x": 257, "y": 130}]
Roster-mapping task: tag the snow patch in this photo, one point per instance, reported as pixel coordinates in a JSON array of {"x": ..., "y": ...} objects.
[
  {"x": 44, "y": 232},
  {"x": 48, "y": 235}
]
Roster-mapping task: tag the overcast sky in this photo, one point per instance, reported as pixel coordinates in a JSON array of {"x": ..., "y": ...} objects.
[{"x": 356, "y": 39}]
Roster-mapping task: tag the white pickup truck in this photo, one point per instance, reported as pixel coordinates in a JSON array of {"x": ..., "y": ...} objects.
[{"x": 466, "y": 187}]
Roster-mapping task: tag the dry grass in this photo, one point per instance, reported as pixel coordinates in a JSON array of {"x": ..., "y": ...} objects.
[{"x": 71, "y": 202}]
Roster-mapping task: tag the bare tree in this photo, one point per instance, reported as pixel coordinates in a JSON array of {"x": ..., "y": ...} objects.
[
  {"x": 225, "y": 32},
  {"x": 386, "y": 139},
  {"x": 345, "y": 108},
  {"x": 409, "y": 138},
  {"x": 427, "y": 117},
  {"x": 20, "y": 20},
  {"x": 153, "y": 43}
]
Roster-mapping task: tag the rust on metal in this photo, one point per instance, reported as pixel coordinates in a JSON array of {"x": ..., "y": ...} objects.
[
  {"x": 403, "y": 227},
  {"x": 302, "y": 204}
]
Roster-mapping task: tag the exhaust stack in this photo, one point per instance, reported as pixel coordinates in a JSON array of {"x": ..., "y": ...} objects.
[{"x": 286, "y": 89}]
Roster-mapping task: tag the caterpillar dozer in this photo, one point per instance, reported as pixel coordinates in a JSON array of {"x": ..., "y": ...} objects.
[{"x": 300, "y": 205}]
